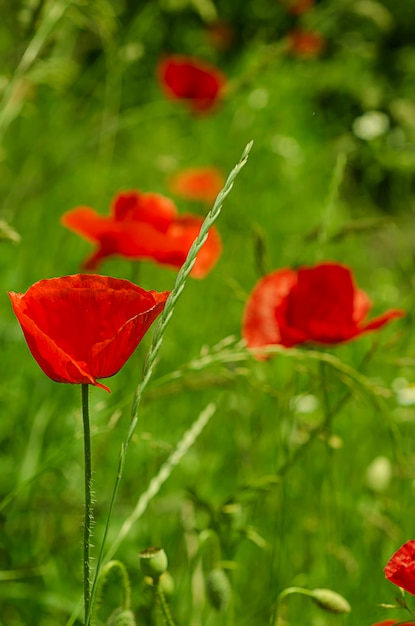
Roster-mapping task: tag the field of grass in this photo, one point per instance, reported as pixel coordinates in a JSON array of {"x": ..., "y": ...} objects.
[{"x": 296, "y": 471}]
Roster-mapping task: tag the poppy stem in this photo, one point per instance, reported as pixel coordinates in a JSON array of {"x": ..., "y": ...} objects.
[
  {"x": 88, "y": 502},
  {"x": 168, "y": 619}
]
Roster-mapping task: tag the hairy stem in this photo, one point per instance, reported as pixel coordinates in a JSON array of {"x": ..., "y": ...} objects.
[{"x": 88, "y": 502}]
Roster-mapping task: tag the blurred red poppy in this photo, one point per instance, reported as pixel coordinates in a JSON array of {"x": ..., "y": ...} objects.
[
  {"x": 84, "y": 327},
  {"x": 319, "y": 304},
  {"x": 192, "y": 80},
  {"x": 144, "y": 226},
  {"x": 400, "y": 569},
  {"x": 203, "y": 183},
  {"x": 305, "y": 43},
  {"x": 391, "y": 622}
]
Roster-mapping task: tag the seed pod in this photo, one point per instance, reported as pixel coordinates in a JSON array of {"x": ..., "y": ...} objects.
[
  {"x": 330, "y": 601},
  {"x": 153, "y": 562},
  {"x": 218, "y": 589}
]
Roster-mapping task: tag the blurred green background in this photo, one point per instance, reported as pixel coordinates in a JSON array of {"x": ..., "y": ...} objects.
[{"x": 330, "y": 176}]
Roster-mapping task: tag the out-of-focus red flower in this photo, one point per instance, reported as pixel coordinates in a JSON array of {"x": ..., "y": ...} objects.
[
  {"x": 305, "y": 43},
  {"x": 298, "y": 7},
  {"x": 400, "y": 569},
  {"x": 319, "y": 304},
  {"x": 84, "y": 327},
  {"x": 202, "y": 183},
  {"x": 144, "y": 226},
  {"x": 391, "y": 622},
  {"x": 196, "y": 82}
]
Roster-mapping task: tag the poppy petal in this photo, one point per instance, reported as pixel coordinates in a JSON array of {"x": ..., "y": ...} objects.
[
  {"x": 329, "y": 292},
  {"x": 189, "y": 79},
  {"x": 381, "y": 320},
  {"x": 391, "y": 622},
  {"x": 84, "y": 327},
  {"x": 319, "y": 304},
  {"x": 202, "y": 184},
  {"x": 400, "y": 569},
  {"x": 260, "y": 325},
  {"x": 144, "y": 226},
  {"x": 184, "y": 231},
  {"x": 86, "y": 222},
  {"x": 52, "y": 359},
  {"x": 148, "y": 208}
]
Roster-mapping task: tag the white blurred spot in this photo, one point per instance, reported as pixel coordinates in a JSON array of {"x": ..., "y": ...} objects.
[
  {"x": 370, "y": 125},
  {"x": 132, "y": 52},
  {"x": 287, "y": 147},
  {"x": 379, "y": 474},
  {"x": 258, "y": 99},
  {"x": 405, "y": 391},
  {"x": 304, "y": 403}
]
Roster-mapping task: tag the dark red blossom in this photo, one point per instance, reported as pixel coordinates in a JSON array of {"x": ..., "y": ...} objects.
[
  {"x": 84, "y": 327},
  {"x": 319, "y": 304},
  {"x": 400, "y": 569},
  {"x": 189, "y": 79},
  {"x": 197, "y": 183},
  {"x": 305, "y": 43},
  {"x": 144, "y": 226}
]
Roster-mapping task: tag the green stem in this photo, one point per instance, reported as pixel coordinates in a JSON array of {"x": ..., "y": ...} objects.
[
  {"x": 287, "y": 592},
  {"x": 120, "y": 568},
  {"x": 163, "y": 604},
  {"x": 88, "y": 501}
]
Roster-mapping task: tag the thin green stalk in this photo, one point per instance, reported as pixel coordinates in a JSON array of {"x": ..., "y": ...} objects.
[
  {"x": 165, "y": 609},
  {"x": 88, "y": 500},
  {"x": 148, "y": 369},
  {"x": 124, "y": 580}
]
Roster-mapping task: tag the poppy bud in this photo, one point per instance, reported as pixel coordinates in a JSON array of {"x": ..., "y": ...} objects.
[
  {"x": 165, "y": 583},
  {"x": 121, "y": 618},
  {"x": 218, "y": 589},
  {"x": 153, "y": 562},
  {"x": 330, "y": 601}
]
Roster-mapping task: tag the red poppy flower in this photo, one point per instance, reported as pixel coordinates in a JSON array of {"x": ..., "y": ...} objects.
[
  {"x": 304, "y": 43},
  {"x": 318, "y": 304},
  {"x": 192, "y": 80},
  {"x": 144, "y": 226},
  {"x": 203, "y": 183},
  {"x": 400, "y": 569},
  {"x": 84, "y": 327}
]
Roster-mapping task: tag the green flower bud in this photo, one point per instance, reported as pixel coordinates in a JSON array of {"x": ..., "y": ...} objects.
[
  {"x": 153, "y": 562},
  {"x": 121, "y": 618},
  {"x": 165, "y": 583},
  {"x": 330, "y": 601},
  {"x": 218, "y": 589}
]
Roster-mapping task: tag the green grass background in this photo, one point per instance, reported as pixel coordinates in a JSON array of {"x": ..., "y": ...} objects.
[{"x": 87, "y": 119}]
